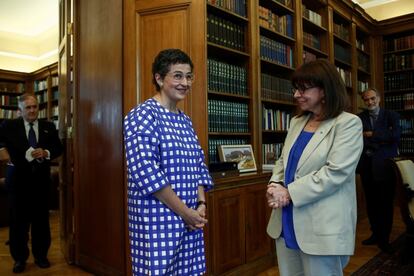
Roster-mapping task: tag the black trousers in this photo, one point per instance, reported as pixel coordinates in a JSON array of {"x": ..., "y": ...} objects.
[
  {"x": 29, "y": 212},
  {"x": 379, "y": 195}
]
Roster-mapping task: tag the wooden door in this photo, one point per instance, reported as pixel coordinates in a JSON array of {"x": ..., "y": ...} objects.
[
  {"x": 227, "y": 236},
  {"x": 151, "y": 26},
  {"x": 99, "y": 184},
  {"x": 66, "y": 161},
  {"x": 258, "y": 243}
]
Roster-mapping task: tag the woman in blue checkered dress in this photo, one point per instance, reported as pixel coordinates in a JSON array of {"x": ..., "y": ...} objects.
[{"x": 167, "y": 176}]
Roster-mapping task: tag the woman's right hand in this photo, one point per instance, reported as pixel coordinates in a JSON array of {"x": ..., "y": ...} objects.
[{"x": 193, "y": 219}]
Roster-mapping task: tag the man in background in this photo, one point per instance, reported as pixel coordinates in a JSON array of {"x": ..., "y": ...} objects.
[
  {"x": 381, "y": 133},
  {"x": 31, "y": 144}
]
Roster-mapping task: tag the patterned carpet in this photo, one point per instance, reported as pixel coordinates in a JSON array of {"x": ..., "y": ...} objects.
[{"x": 401, "y": 263}]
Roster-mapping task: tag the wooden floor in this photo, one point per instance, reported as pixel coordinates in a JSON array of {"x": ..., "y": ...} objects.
[{"x": 60, "y": 268}]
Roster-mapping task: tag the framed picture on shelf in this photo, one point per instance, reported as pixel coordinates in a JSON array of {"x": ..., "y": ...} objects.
[{"x": 242, "y": 154}]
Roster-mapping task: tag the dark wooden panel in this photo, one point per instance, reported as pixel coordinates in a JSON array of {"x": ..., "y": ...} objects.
[
  {"x": 258, "y": 243},
  {"x": 228, "y": 230},
  {"x": 99, "y": 169}
]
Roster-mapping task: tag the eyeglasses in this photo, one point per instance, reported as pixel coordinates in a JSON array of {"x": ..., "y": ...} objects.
[
  {"x": 179, "y": 77},
  {"x": 301, "y": 90}
]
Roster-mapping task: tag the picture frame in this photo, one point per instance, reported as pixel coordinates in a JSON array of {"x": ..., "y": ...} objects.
[{"x": 242, "y": 154}]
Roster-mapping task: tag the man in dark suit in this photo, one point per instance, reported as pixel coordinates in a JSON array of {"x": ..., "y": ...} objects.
[
  {"x": 381, "y": 132},
  {"x": 31, "y": 145}
]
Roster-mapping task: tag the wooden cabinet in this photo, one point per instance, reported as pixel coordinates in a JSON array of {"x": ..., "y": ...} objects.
[{"x": 238, "y": 217}]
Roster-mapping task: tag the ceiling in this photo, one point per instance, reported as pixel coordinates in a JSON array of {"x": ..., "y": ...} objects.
[
  {"x": 29, "y": 29},
  {"x": 385, "y": 9},
  {"x": 28, "y": 34}
]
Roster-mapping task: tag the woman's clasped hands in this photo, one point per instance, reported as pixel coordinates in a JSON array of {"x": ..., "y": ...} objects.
[{"x": 277, "y": 195}]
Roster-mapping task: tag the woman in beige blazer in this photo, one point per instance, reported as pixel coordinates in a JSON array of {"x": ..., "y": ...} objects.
[{"x": 312, "y": 188}]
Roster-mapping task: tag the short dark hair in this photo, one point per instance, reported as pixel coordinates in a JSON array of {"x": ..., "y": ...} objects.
[
  {"x": 23, "y": 98},
  {"x": 323, "y": 74},
  {"x": 163, "y": 61}
]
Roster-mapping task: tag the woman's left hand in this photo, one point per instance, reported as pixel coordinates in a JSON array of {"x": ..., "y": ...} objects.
[{"x": 277, "y": 195}]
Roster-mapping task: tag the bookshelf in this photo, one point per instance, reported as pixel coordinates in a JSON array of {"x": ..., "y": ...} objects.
[
  {"x": 45, "y": 88},
  {"x": 398, "y": 52},
  {"x": 43, "y": 83},
  {"x": 278, "y": 60},
  {"x": 314, "y": 30},
  {"x": 228, "y": 71},
  {"x": 12, "y": 85},
  {"x": 363, "y": 64}
]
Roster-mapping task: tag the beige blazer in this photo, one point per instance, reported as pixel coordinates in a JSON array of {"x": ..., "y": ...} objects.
[{"x": 323, "y": 192}]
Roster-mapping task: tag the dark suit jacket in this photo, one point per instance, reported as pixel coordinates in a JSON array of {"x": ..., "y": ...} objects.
[
  {"x": 383, "y": 144},
  {"x": 25, "y": 174}
]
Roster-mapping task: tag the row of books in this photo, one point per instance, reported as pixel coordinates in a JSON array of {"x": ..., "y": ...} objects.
[
  {"x": 8, "y": 114},
  {"x": 308, "y": 56},
  {"x": 225, "y": 33},
  {"x": 401, "y": 43},
  {"x": 42, "y": 98},
  {"x": 407, "y": 125},
  {"x": 275, "y": 51},
  {"x": 345, "y": 75},
  {"x": 399, "y": 101},
  {"x": 225, "y": 116},
  {"x": 280, "y": 24},
  {"x": 312, "y": 40},
  {"x": 398, "y": 62},
  {"x": 236, "y": 6},
  {"x": 406, "y": 146},
  {"x": 226, "y": 77},
  {"x": 341, "y": 30},
  {"x": 360, "y": 44},
  {"x": 55, "y": 95},
  {"x": 363, "y": 62},
  {"x": 214, "y": 143},
  {"x": 271, "y": 152},
  {"x": 342, "y": 53},
  {"x": 362, "y": 86},
  {"x": 312, "y": 16},
  {"x": 275, "y": 88},
  {"x": 275, "y": 119},
  {"x": 6, "y": 100},
  {"x": 11, "y": 87},
  {"x": 399, "y": 81},
  {"x": 43, "y": 113},
  {"x": 55, "y": 81},
  {"x": 55, "y": 110},
  {"x": 39, "y": 85}
]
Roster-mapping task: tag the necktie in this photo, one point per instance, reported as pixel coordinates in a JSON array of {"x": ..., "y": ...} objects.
[{"x": 32, "y": 136}]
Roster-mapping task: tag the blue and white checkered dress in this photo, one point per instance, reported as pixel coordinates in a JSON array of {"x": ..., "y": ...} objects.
[{"x": 163, "y": 149}]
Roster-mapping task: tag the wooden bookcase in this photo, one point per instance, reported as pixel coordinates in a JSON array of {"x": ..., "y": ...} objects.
[
  {"x": 12, "y": 85},
  {"x": 398, "y": 49},
  {"x": 45, "y": 88},
  {"x": 278, "y": 48},
  {"x": 229, "y": 69},
  {"x": 43, "y": 83},
  {"x": 278, "y": 37}
]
